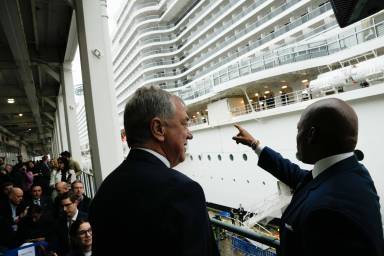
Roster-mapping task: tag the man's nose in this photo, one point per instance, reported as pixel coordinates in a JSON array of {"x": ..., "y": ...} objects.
[{"x": 190, "y": 136}]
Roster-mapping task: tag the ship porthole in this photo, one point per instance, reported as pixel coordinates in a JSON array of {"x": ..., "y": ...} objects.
[
  {"x": 219, "y": 157},
  {"x": 231, "y": 157},
  {"x": 200, "y": 157},
  {"x": 209, "y": 157},
  {"x": 191, "y": 157},
  {"x": 245, "y": 157}
]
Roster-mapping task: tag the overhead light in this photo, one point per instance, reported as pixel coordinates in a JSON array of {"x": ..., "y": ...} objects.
[
  {"x": 283, "y": 81},
  {"x": 20, "y": 114},
  {"x": 304, "y": 81},
  {"x": 256, "y": 94},
  {"x": 280, "y": 92},
  {"x": 198, "y": 113},
  {"x": 284, "y": 87},
  {"x": 11, "y": 100},
  {"x": 266, "y": 92},
  {"x": 250, "y": 100},
  {"x": 242, "y": 101}
]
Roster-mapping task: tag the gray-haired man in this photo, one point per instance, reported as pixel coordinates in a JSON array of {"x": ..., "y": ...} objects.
[{"x": 161, "y": 211}]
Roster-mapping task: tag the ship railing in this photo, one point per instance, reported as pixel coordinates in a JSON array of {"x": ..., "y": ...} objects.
[
  {"x": 288, "y": 99},
  {"x": 248, "y": 29},
  {"x": 286, "y": 56}
]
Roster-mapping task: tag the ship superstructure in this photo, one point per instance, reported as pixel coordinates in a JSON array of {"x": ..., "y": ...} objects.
[{"x": 254, "y": 62}]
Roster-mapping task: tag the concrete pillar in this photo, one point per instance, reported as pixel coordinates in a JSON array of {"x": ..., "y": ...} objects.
[
  {"x": 99, "y": 95},
  {"x": 58, "y": 133},
  {"x": 70, "y": 111},
  {"x": 61, "y": 121}
]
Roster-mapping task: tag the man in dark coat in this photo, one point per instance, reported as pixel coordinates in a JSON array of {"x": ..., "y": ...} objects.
[
  {"x": 160, "y": 210},
  {"x": 335, "y": 208}
]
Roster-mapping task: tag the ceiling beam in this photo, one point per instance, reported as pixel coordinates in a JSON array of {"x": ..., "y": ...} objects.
[
  {"x": 72, "y": 42},
  {"x": 50, "y": 102},
  {"x": 13, "y": 28},
  {"x": 34, "y": 21},
  {"x": 47, "y": 69},
  {"x": 50, "y": 116}
]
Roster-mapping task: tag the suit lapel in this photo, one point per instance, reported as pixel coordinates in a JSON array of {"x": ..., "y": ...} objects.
[{"x": 301, "y": 192}]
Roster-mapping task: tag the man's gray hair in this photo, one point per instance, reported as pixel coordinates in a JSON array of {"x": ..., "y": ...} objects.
[{"x": 145, "y": 104}]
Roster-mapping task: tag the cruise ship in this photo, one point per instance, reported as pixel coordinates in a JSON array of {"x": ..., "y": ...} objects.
[{"x": 257, "y": 63}]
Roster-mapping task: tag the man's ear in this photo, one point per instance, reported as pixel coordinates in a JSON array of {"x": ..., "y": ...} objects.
[
  {"x": 157, "y": 129},
  {"x": 313, "y": 135}
]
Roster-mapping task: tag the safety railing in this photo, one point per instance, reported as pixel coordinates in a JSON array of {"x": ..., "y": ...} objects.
[
  {"x": 241, "y": 33},
  {"x": 246, "y": 232},
  {"x": 88, "y": 180}
]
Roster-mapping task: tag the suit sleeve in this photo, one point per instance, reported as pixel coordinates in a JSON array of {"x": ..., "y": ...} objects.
[
  {"x": 190, "y": 221},
  {"x": 283, "y": 169}
]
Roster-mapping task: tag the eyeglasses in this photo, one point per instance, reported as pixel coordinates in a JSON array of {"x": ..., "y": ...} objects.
[{"x": 83, "y": 232}]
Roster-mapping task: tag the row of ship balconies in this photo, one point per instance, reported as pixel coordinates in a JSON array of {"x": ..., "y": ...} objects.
[
  {"x": 277, "y": 58},
  {"x": 241, "y": 49},
  {"x": 357, "y": 35},
  {"x": 139, "y": 28}
]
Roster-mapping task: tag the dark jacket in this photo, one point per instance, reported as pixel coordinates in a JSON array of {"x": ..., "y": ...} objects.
[
  {"x": 159, "y": 210},
  {"x": 336, "y": 213}
]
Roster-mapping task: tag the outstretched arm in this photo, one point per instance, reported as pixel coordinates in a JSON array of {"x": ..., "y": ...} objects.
[
  {"x": 245, "y": 138},
  {"x": 271, "y": 161}
]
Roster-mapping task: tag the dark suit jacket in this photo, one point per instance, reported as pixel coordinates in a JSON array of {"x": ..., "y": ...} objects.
[
  {"x": 63, "y": 232},
  {"x": 84, "y": 204},
  {"x": 158, "y": 210},
  {"x": 337, "y": 213}
]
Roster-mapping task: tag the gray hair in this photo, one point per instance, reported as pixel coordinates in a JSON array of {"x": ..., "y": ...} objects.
[{"x": 145, "y": 104}]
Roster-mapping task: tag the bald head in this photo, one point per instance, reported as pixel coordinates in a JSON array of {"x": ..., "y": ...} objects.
[
  {"x": 62, "y": 187},
  {"x": 16, "y": 195},
  {"x": 327, "y": 127}
]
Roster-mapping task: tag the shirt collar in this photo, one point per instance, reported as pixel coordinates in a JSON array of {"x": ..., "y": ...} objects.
[
  {"x": 327, "y": 162},
  {"x": 159, "y": 156},
  {"x": 75, "y": 216}
]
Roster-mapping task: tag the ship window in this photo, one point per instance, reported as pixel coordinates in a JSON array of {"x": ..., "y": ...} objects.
[
  {"x": 200, "y": 157},
  {"x": 222, "y": 178},
  {"x": 245, "y": 157},
  {"x": 247, "y": 181},
  {"x": 264, "y": 183},
  {"x": 191, "y": 157},
  {"x": 231, "y": 157},
  {"x": 209, "y": 157},
  {"x": 234, "y": 180},
  {"x": 219, "y": 157}
]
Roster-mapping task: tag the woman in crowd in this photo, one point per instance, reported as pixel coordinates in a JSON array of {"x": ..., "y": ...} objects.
[
  {"x": 64, "y": 173},
  {"x": 80, "y": 234}
]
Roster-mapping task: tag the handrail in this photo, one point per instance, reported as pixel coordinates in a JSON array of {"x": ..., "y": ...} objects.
[
  {"x": 276, "y": 58},
  {"x": 259, "y": 42},
  {"x": 272, "y": 242}
]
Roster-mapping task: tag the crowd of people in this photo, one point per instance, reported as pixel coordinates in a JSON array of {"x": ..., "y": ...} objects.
[
  {"x": 146, "y": 206},
  {"x": 44, "y": 201}
]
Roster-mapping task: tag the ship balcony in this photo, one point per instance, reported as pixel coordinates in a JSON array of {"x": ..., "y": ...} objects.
[{"x": 197, "y": 63}]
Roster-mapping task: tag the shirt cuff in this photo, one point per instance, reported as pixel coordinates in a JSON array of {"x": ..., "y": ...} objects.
[{"x": 258, "y": 149}]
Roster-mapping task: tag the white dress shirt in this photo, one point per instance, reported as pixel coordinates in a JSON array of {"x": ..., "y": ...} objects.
[
  {"x": 320, "y": 165},
  {"x": 159, "y": 156}
]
